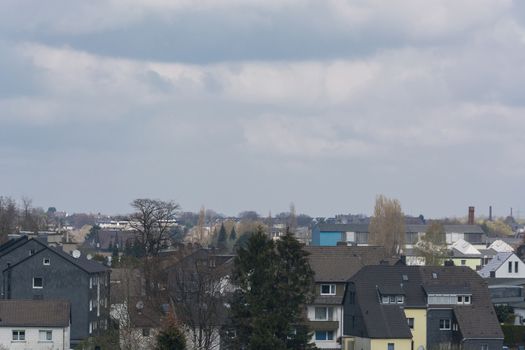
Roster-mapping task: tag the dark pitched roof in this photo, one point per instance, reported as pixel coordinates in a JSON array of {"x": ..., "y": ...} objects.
[
  {"x": 339, "y": 263},
  {"x": 88, "y": 266},
  {"x": 82, "y": 262},
  {"x": 474, "y": 322},
  {"x": 34, "y": 313},
  {"x": 383, "y": 320},
  {"x": 148, "y": 316},
  {"x": 12, "y": 244}
]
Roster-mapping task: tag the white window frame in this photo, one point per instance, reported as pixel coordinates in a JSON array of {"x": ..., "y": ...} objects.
[
  {"x": 332, "y": 289},
  {"x": 328, "y": 313},
  {"x": 447, "y": 324},
  {"x": 18, "y": 335},
  {"x": 326, "y": 333},
  {"x": 45, "y": 335},
  {"x": 411, "y": 322},
  {"x": 38, "y": 287},
  {"x": 400, "y": 299},
  {"x": 46, "y": 261}
]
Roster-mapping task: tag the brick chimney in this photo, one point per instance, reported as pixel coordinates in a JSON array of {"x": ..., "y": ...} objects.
[{"x": 471, "y": 215}]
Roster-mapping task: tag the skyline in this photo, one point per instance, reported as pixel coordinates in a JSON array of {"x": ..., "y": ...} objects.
[{"x": 250, "y": 105}]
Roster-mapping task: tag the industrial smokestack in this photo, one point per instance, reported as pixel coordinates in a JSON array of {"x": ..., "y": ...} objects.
[
  {"x": 471, "y": 215},
  {"x": 490, "y": 213}
]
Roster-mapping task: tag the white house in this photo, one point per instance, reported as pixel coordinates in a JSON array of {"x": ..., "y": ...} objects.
[
  {"x": 34, "y": 324},
  {"x": 504, "y": 265}
]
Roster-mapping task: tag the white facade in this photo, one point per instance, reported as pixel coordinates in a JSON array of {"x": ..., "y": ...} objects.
[
  {"x": 335, "y": 315},
  {"x": 35, "y": 338},
  {"x": 504, "y": 265}
]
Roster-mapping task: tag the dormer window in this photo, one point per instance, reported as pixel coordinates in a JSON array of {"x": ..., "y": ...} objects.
[
  {"x": 463, "y": 299},
  {"x": 327, "y": 289},
  {"x": 392, "y": 299}
]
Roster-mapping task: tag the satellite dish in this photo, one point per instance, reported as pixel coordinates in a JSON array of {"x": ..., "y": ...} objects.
[
  {"x": 76, "y": 254},
  {"x": 140, "y": 305},
  {"x": 89, "y": 257}
]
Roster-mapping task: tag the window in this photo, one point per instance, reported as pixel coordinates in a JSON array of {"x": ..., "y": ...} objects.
[
  {"x": 324, "y": 335},
  {"x": 90, "y": 282},
  {"x": 45, "y": 335},
  {"x": 384, "y": 300},
  {"x": 391, "y": 346},
  {"x": 392, "y": 299},
  {"x": 434, "y": 275},
  {"x": 145, "y": 332},
  {"x": 38, "y": 282},
  {"x": 444, "y": 324},
  {"x": 324, "y": 313},
  {"x": 46, "y": 261},
  {"x": 31, "y": 252},
  {"x": 463, "y": 299},
  {"x": 463, "y": 262},
  {"x": 510, "y": 266},
  {"x": 90, "y": 327},
  {"x": 484, "y": 347},
  {"x": 516, "y": 267},
  {"x": 399, "y": 299},
  {"x": 410, "y": 322},
  {"x": 327, "y": 289},
  {"x": 19, "y": 335}
]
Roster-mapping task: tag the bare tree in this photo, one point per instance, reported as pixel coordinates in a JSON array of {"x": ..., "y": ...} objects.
[
  {"x": 432, "y": 246},
  {"x": 198, "y": 286},
  {"x": 153, "y": 220},
  {"x": 8, "y": 217},
  {"x": 387, "y": 226}
]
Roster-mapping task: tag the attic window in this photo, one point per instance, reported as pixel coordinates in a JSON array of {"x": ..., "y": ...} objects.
[
  {"x": 434, "y": 275},
  {"x": 405, "y": 277},
  {"x": 46, "y": 261}
]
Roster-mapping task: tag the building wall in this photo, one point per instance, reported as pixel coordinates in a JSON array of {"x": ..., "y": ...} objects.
[
  {"x": 469, "y": 262},
  {"x": 437, "y": 336},
  {"x": 329, "y": 238},
  {"x": 382, "y": 344},
  {"x": 14, "y": 256},
  {"x": 361, "y": 343},
  {"x": 338, "y": 332},
  {"x": 419, "y": 332},
  {"x": 62, "y": 280},
  {"x": 503, "y": 271},
  {"x": 60, "y": 339}
]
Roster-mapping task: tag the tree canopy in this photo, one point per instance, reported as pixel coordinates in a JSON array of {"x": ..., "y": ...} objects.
[
  {"x": 387, "y": 226},
  {"x": 274, "y": 281}
]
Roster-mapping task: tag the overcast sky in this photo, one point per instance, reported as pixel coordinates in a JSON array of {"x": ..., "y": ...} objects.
[{"x": 253, "y": 104}]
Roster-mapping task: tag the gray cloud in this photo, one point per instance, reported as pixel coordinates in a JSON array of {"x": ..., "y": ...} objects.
[{"x": 239, "y": 105}]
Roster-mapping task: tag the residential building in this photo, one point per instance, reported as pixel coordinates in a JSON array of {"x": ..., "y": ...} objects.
[
  {"x": 33, "y": 270},
  {"x": 357, "y": 234},
  {"x": 416, "y": 307},
  {"x": 504, "y": 265},
  {"x": 333, "y": 266},
  {"x": 34, "y": 324}
]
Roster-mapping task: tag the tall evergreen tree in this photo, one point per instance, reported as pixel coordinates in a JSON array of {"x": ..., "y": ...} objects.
[
  {"x": 233, "y": 234},
  {"x": 222, "y": 239},
  {"x": 274, "y": 282}
]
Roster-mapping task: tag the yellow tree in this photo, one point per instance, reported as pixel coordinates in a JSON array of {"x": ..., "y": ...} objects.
[{"x": 387, "y": 226}]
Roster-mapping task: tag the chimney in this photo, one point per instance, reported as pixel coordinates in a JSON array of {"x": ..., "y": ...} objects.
[
  {"x": 490, "y": 213},
  {"x": 471, "y": 215}
]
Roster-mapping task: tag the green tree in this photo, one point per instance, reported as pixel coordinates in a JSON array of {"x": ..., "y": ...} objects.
[
  {"x": 233, "y": 234},
  {"x": 222, "y": 239},
  {"x": 432, "y": 246},
  {"x": 505, "y": 313},
  {"x": 274, "y": 282},
  {"x": 387, "y": 226},
  {"x": 171, "y": 338}
]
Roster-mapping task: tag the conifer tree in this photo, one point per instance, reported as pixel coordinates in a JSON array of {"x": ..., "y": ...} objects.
[
  {"x": 233, "y": 234},
  {"x": 222, "y": 239},
  {"x": 274, "y": 282}
]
